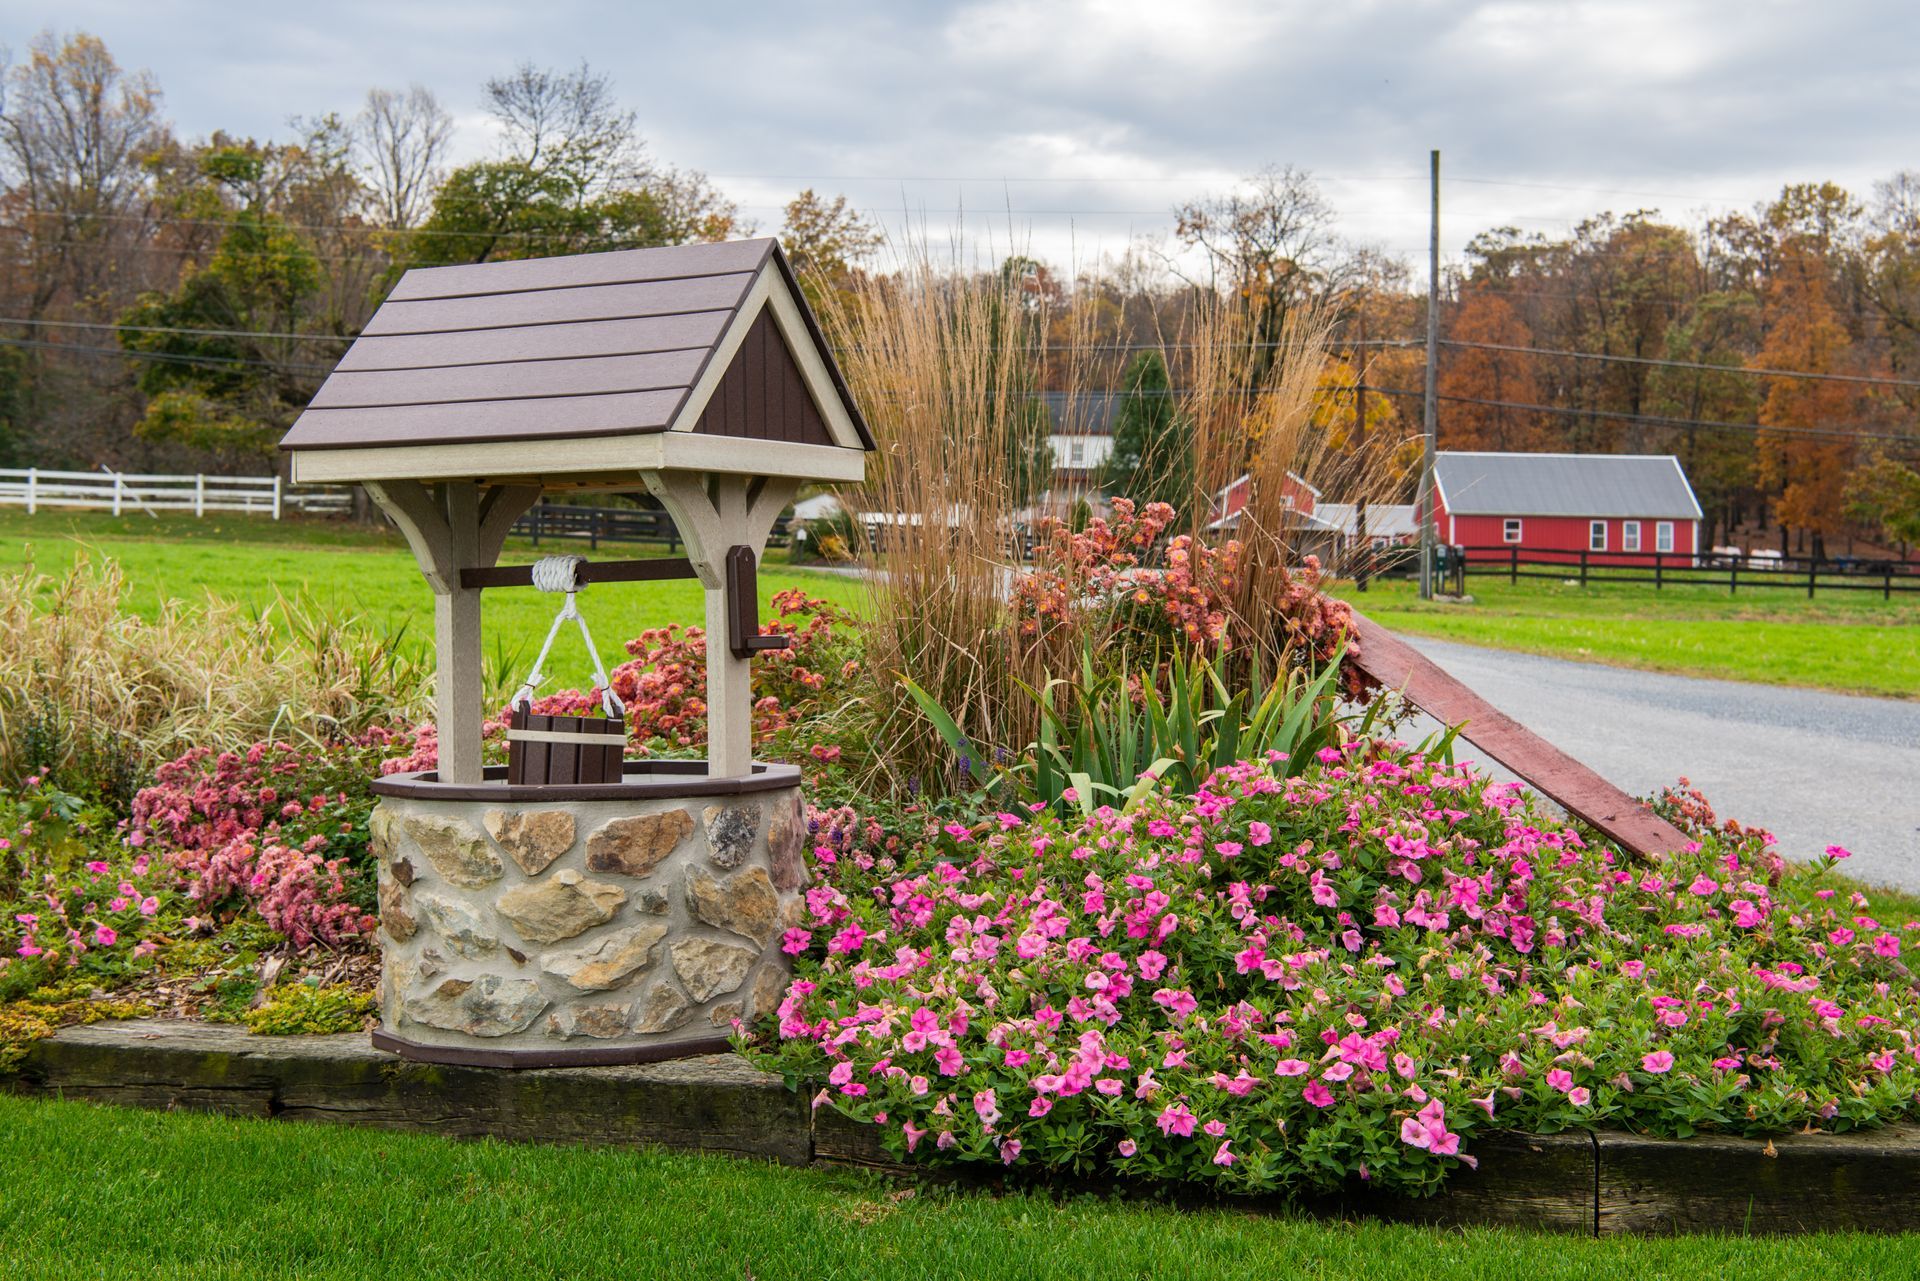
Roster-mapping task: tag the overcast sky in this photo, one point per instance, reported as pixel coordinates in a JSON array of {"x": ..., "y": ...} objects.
[{"x": 1091, "y": 118}]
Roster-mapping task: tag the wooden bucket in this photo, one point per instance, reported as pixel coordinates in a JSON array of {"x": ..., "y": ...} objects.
[{"x": 564, "y": 749}]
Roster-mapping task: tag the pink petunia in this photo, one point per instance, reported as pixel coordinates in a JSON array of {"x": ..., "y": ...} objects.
[{"x": 1657, "y": 1062}]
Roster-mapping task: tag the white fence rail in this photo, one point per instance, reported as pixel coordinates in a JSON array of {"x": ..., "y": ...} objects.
[{"x": 121, "y": 492}]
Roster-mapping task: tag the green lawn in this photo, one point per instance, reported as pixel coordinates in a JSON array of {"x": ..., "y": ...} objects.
[
  {"x": 1848, "y": 641},
  {"x": 94, "y": 1191},
  {"x": 363, "y": 573}
]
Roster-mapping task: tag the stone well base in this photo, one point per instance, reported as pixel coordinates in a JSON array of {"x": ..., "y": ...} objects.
[{"x": 614, "y": 923}]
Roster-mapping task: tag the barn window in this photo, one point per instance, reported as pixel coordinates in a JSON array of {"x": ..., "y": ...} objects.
[
  {"x": 1511, "y": 531},
  {"x": 1630, "y": 536},
  {"x": 1596, "y": 535},
  {"x": 1663, "y": 536}
]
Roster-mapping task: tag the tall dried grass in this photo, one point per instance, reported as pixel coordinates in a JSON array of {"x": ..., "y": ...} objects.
[
  {"x": 1251, "y": 407},
  {"x": 98, "y": 696},
  {"x": 944, "y": 364}
]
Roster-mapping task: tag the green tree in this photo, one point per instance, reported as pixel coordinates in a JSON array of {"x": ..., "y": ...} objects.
[
  {"x": 236, "y": 349},
  {"x": 1152, "y": 458},
  {"x": 1886, "y": 495},
  {"x": 574, "y": 178}
]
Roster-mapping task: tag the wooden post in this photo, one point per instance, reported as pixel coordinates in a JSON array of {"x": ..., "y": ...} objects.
[
  {"x": 1583, "y": 569},
  {"x": 116, "y": 492},
  {"x": 1813, "y": 569},
  {"x": 1733, "y": 576},
  {"x": 714, "y": 513},
  {"x": 1513, "y": 566},
  {"x": 1656, "y": 571},
  {"x": 200, "y": 494},
  {"x": 450, "y": 529},
  {"x": 33, "y": 490},
  {"x": 276, "y": 496}
]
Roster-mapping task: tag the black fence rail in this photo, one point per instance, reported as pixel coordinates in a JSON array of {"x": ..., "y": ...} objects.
[
  {"x": 595, "y": 525},
  {"x": 1678, "y": 569}
]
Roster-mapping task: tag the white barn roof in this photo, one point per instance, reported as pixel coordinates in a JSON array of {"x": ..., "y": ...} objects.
[{"x": 1632, "y": 485}]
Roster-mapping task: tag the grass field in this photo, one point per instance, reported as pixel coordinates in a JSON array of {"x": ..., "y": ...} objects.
[
  {"x": 95, "y": 1192},
  {"x": 365, "y": 574},
  {"x": 1848, "y": 641}
]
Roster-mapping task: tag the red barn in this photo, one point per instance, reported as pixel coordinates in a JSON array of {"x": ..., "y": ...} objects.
[{"x": 1619, "y": 509}]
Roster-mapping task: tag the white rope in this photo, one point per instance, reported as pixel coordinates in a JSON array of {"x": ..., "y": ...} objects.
[{"x": 562, "y": 574}]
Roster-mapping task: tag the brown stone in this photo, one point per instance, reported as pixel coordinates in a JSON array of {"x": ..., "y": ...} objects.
[
  {"x": 487, "y": 1006},
  {"x": 430, "y": 964},
  {"x": 635, "y": 846},
  {"x": 724, "y": 1015},
  {"x": 532, "y": 839},
  {"x": 652, "y": 901},
  {"x": 662, "y": 1010},
  {"x": 396, "y": 918},
  {"x": 708, "y": 969},
  {"x": 519, "y": 957},
  {"x": 600, "y": 1021},
  {"x": 786, "y": 844},
  {"x": 743, "y": 903},
  {"x": 382, "y": 839},
  {"x": 769, "y": 989},
  {"x": 560, "y": 907},
  {"x": 731, "y": 831},
  {"x": 456, "y": 849},
  {"x": 459, "y": 925},
  {"x": 610, "y": 961},
  {"x": 402, "y": 869}
]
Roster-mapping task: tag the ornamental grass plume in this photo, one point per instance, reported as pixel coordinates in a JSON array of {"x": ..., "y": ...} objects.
[
  {"x": 95, "y": 696},
  {"x": 945, "y": 363}
]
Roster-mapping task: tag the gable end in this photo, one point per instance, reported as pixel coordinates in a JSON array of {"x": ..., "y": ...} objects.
[{"x": 763, "y": 396}]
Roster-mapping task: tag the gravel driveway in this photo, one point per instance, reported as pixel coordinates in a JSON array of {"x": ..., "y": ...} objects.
[{"x": 1814, "y": 768}]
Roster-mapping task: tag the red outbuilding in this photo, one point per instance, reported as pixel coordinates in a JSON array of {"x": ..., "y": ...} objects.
[{"x": 1616, "y": 509}]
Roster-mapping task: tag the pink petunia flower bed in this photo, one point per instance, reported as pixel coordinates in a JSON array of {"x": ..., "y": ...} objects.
[{"x": 1283, "y": 985}]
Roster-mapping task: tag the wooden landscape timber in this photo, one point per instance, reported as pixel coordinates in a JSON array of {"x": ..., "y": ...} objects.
[
  {"x": 1580, "y": 1183},
  {"x": 1550, "y": 771}
]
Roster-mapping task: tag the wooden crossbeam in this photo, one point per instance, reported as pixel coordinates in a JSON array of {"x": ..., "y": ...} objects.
[
  {"x": 1550, "y": 771},
  {"x": 604, "y": 571}
]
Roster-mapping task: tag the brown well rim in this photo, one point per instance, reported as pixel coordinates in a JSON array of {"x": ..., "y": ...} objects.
[{"x": 644, "y": 780}]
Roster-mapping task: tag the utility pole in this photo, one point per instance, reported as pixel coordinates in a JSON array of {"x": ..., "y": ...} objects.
[
  {"x": 1431, "y": 416},
  {"x": 1360, "y": 447}
]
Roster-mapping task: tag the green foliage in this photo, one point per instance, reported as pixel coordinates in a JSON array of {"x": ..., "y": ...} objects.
[
  {"x": 1113, "y": 737},
  {"x": 309, "y": 1009},
  {"x": 1152, "y": 458},
  {"x": 1886, "y": 495}
]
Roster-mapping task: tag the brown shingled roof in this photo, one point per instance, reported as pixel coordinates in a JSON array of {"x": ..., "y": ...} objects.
[{"x": 588, "y": 345}]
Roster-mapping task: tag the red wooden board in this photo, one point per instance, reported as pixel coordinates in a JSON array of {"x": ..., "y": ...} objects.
[{"x": 1550, "y": 771}]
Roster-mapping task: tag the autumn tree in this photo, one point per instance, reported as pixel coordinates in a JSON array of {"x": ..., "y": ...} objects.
[
  {"x": 1806, "y": 458},
  {"x": 75, "y": 133},
  {"x": 1270, "y": 245},
  {"x": 1708, "y": 382},
  {"x": 826, "y": 241},
  {"x": 1482, "y": 386}
]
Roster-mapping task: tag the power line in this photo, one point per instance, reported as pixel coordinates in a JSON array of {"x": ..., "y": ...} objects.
[
  {"x": 170, "y": 329},
  {"x": 170, "y": 357},
  {"x": 1871, "y": 379},
  {"x": 1661, "y": 420}
]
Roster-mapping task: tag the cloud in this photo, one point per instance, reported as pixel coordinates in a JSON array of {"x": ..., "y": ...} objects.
[{"x": 1079, "y": 123}]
